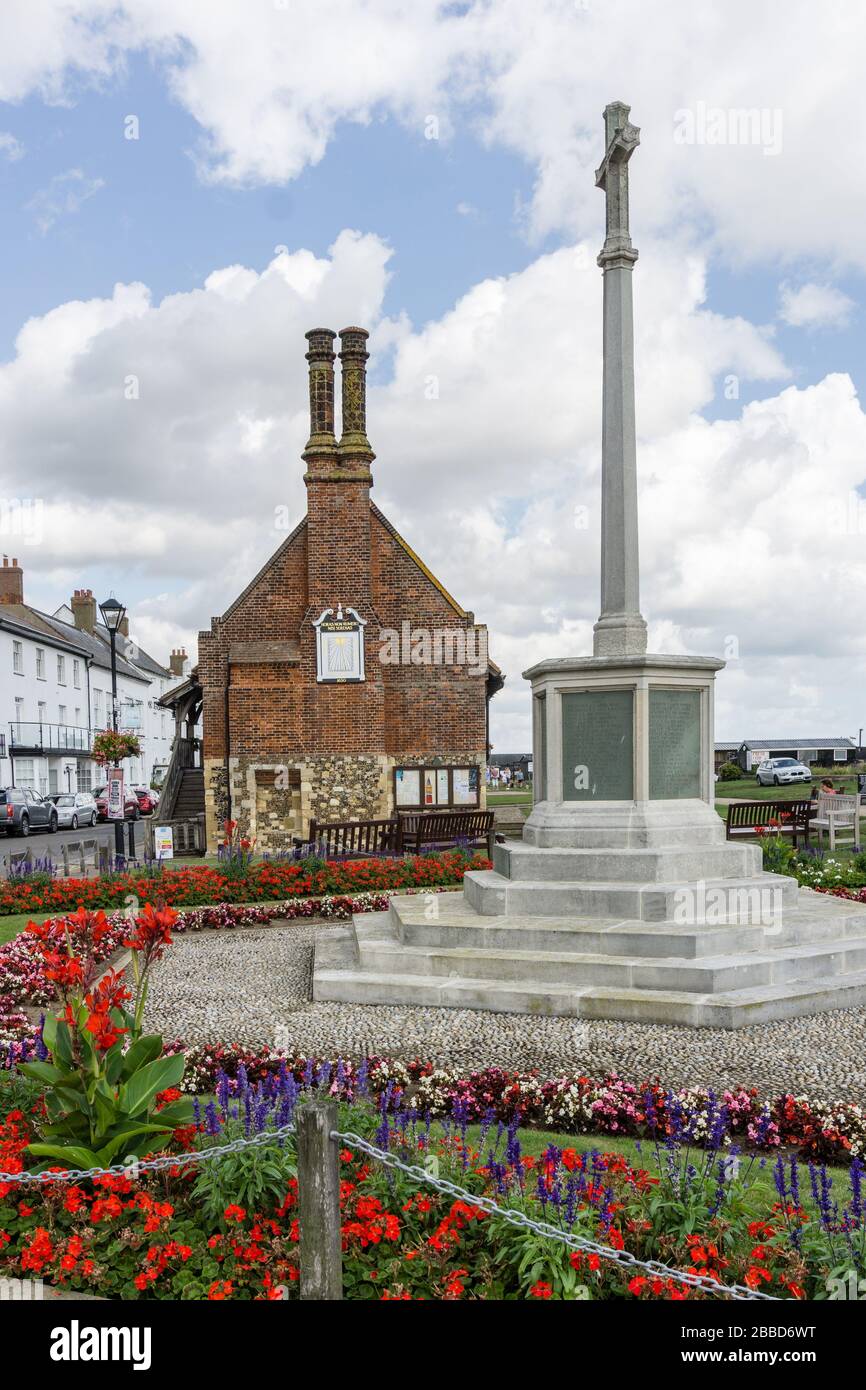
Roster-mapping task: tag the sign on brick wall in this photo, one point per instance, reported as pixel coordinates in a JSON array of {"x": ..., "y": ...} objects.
[{"x": 339, "y": 646}]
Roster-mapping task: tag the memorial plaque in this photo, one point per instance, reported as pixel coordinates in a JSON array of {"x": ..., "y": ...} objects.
[
  {"x": 674, "y": 743},
  {"x": 598, "y": 745},
  {"x": 539, "y": 706}
]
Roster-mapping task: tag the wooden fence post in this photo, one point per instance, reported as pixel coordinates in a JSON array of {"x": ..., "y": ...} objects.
[{"x": 319, "y": 1201}]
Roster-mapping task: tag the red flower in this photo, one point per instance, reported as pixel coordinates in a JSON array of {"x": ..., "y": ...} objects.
[{"x": 541, "y": 1290}]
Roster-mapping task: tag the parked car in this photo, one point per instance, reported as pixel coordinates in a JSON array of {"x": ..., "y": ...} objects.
[
  {"x": 131, "y": 808},
  {"x": 146, "y": 799},
  {"x": 23, "y": 810},
  {"x": 74, "y": 809},
  {"x": 775, "y": 771}
]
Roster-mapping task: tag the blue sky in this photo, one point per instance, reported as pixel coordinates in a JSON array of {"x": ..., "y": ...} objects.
[{"x": 448, "y": 208}]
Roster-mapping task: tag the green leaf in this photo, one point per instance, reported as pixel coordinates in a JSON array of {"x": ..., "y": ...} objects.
[
  {"x": 141, "y": 1089},
  {"x": 120, "y": 1143},
  {"x": 145, "y": 1049},
  {"x": 61, "y": 1047},
  {"x": 42, "y": 1071},
  {"x": 49, "y": 1031},
  {"x": 72, "y": 1155},
  {"x": 177, "y": 1113}
]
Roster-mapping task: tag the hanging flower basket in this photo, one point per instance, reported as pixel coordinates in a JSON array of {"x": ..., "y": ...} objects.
[{"x": 111, "y": 748}]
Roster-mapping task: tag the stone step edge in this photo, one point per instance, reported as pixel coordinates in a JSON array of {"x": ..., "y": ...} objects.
[
  {"x": 493, "y": 879},
  {"x": 722, "y": 1001},
  {"x": 789, "y": 951}
]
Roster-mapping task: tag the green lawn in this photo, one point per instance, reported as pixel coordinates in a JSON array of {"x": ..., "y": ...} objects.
[
  {"x": 11, "y": 926},
  {"x": 510, "y": 798},
  {"x": 749, "y": 789}
]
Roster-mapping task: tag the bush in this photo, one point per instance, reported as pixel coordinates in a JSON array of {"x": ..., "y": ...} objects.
[{"x": 730, "y": 772}]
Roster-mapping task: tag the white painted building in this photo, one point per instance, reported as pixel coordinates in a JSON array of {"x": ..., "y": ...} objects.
[{"x": 55, "y": 693}]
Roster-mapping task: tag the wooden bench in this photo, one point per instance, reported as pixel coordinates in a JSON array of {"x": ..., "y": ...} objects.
[
  {"x": 352, "y": 839},
  {"x": 446, "y": 829},
  {"x": 793, "y": 817}
]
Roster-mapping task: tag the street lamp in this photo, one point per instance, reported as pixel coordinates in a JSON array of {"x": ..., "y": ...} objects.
[{"x": 113, "y": 614}]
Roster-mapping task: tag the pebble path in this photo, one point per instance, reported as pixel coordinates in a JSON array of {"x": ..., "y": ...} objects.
[{"x": 254, "y": 986}]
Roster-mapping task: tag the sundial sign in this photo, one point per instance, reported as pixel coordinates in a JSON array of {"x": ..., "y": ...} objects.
[{"x": 339, "y": 646}]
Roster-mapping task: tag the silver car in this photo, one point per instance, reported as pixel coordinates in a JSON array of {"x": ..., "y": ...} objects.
[
  {"x": 776, "y": 771},
  {"x": 74, "y": 809}
]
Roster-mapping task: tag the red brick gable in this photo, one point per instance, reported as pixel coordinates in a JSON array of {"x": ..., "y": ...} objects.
[{"x": 264, "y": 710}]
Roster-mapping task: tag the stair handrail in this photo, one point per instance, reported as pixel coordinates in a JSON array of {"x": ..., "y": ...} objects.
[{"x": 182, "y": 757}]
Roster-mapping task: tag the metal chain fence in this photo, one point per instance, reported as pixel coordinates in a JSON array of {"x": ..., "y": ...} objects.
[{"x": 318, "y": 1195}]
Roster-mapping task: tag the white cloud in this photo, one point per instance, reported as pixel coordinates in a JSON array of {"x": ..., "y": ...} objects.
[
  {"x": 63, "y": 196},
  {"x": 493, "y": 476},
  {"x": 814, "y": 306},
  {"x": 10, "y": 147}
]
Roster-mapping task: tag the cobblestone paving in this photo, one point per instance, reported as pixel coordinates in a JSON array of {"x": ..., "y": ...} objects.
[{"x": 254, "y": 986}]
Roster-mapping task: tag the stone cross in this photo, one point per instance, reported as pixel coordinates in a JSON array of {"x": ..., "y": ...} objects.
[{"x": 620, "y": 630}]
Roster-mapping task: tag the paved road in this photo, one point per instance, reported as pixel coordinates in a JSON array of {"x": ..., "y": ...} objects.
[{"x": 43, "y": 845}]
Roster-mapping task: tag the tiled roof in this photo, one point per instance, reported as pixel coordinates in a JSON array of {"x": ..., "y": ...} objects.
[{"x": 66, "y": 635}]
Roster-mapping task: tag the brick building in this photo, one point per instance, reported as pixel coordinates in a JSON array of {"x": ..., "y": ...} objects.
[{"x": 344, "y": 680}]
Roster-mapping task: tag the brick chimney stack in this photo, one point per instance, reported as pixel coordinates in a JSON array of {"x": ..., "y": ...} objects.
[
  {"x": 11, "y": 582},
  {"x": 338, "y": 476},
  {"x": 176, "y": 661},
  {"x": 83, "y": 606},
  {"x": 354, "y": 444},
  {"x": 321, "y": 452}
]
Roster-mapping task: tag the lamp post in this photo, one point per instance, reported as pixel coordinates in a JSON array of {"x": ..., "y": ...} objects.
[{"x": 113, "y": 614}]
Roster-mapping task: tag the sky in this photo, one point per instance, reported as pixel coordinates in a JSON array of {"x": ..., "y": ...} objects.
[{"x": 187, "y": 188}]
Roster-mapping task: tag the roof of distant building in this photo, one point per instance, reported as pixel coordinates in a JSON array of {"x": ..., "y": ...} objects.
[{"x": 837, "y": 741}]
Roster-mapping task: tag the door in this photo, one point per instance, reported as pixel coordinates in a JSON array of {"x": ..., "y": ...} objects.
[{"x": 37, "y": 809}]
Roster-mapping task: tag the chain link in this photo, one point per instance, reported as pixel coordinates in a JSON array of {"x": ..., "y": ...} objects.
[
  {"x": 515, "y": 1217},
  {"x": 512, "y": 1215},
  {"x": 136, "y": 1165}
]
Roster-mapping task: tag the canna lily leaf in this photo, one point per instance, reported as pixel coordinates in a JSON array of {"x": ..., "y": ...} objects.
[
  {"x": 143, "y": 1050},
  {"x": 142, "y": 1089},
  {"x": 72, "y": 1155}
]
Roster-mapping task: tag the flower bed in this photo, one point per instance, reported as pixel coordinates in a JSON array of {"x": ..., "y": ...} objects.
[
  {"x": 574, "y": 1104},
  {"x": 95, "y": 1087},
  {"x": 266, "y": 881},
  {"x": 228, "y": 1230},
  {"x": 856, "y": 895}
]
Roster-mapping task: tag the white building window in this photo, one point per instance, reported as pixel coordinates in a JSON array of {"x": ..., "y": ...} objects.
[
  {"x": 97, "y": 709},
  {"x": 43, "y": 712},
  {"x": 76, "y": 673},
  {"x": 40, "y": 663},
  {"x": 85, "y": 777},
  {"x": 61, "y": 670},
  {"x": 78, "y": 716},
  {"x": 19, "y": 715},
  {"x": 18, "y": 658},
  {"x": 24, "y": 773},
  {"x": 61, "y": 714}
]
